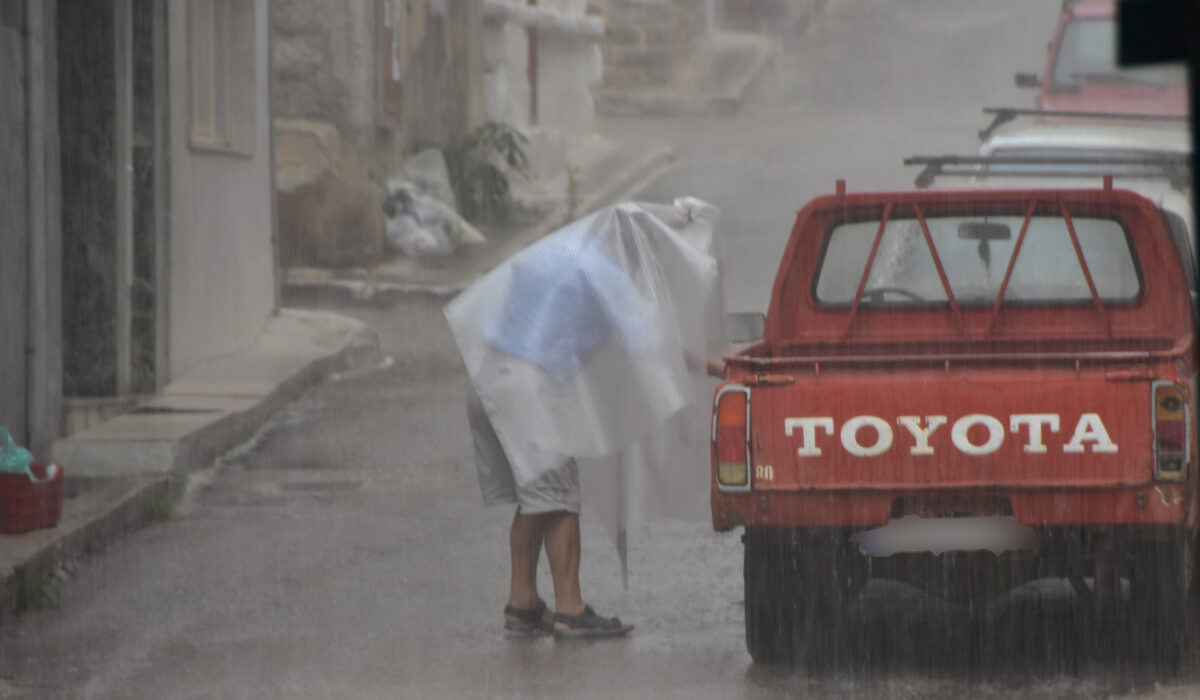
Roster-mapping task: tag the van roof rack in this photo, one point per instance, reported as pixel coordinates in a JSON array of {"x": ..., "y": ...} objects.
[
  {"x": 1173, "y": 167},
  {"x": 1003, "y": 115}
]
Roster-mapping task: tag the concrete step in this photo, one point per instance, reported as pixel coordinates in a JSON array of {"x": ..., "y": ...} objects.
[{"x": 713, "y": 80}]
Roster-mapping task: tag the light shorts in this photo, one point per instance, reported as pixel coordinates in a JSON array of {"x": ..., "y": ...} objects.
[{"x": 557, "y": 490}]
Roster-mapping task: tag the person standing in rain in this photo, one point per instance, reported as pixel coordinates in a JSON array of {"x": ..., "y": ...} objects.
[
  {"x": 563, "y": 303},
  {"x": 579, "y": 348}
]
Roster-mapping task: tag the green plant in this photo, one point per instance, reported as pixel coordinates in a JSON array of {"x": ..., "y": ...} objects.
[
  {"x": 160, "y": 509},
  {"x": 37, "y": 590},
  {"x": 480, "y": 169}
]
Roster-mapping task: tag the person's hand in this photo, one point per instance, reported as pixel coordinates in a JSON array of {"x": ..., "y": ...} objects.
[{"x": 695, "y": 363}]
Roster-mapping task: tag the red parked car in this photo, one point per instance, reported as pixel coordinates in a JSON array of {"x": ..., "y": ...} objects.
[{"x": 1082, "y": 74}]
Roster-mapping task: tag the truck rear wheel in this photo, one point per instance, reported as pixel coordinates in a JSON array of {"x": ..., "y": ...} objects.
[
  {"x": 774, "y": 606},
  {"x": 830, "y": 582},
  {"x": 1160, "y": 602}
]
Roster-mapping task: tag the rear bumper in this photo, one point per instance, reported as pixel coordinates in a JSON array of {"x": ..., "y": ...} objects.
[{"x": 1148, "y": 504}]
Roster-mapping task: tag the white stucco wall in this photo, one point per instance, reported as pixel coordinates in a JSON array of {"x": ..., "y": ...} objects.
[
  {"x": 569, "y": 63},
  {"x": 221, "y": 270}
]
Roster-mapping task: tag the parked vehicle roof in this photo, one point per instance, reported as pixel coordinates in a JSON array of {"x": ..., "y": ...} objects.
[{"x": 1082, "y": 72}]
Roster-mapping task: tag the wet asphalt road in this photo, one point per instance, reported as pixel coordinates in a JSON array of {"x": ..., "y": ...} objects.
[{"x": 344, "y": 553}]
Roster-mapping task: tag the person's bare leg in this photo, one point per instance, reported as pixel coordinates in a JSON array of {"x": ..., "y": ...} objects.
[
  {"x": 525, "y": 545},
  {"x": 561, "y": 533}
]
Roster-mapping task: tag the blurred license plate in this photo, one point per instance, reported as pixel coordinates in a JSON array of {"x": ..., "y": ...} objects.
[{"x": 913, "y": 533}]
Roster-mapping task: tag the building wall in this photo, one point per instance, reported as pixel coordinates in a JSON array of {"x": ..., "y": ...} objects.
[
  {"x": 567, "y": 60},
  {"x": 30, "y": 269},
  {"x": 391, "y": 75},
  {"x": 44, "y": 379},
  {"x": 14, "y": 225},
  {"x": 325, "y": 64},
  {"x": 441, "y": 93},
  {"x": 646, "y": 40},
  {"x": 222, "y": 264}
]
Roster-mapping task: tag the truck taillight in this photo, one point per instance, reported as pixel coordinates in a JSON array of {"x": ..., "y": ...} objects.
[
  {"x": 731, "y": 438},
  {"x": 1172, "y": 435}
]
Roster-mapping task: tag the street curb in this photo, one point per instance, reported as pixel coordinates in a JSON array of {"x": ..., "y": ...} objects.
[
  {"x": 131, "y": 510},
  {"x": 651, "y": 164},
  {"x": 115, "y": 507}
]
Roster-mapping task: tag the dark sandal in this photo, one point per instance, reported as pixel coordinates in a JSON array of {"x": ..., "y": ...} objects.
[
  {"x": 588, "y": 624},
  {"x": 527, "y": 620}
]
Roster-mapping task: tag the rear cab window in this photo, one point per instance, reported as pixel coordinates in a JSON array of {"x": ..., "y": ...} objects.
[{"x": 975, "y": 252}]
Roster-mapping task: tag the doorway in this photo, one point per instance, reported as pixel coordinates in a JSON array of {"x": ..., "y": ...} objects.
[{"x": 112, "y": 128}]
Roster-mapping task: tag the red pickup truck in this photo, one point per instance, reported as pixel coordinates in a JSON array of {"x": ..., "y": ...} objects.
[{"x": 965, "y": 390}]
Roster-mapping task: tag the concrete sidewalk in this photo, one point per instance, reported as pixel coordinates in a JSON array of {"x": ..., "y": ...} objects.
[{"x": 128, "y": 471}]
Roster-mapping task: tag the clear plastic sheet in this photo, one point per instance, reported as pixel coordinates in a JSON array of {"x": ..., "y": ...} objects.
[{"x": 591, "y": 344}]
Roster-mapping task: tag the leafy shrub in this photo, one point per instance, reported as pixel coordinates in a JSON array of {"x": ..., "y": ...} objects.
[{"x": 481, "y": 167}]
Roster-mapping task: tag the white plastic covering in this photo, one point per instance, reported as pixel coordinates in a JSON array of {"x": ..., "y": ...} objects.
[
  {"x": 617, "y": 312},
  {"x": 421, "y": 224}
]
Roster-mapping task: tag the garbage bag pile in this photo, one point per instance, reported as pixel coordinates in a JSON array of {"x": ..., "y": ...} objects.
[{"x": 421, "y": 212}]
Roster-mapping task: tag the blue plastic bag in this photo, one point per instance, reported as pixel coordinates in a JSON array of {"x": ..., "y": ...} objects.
[{"x": 14, "y": 459}]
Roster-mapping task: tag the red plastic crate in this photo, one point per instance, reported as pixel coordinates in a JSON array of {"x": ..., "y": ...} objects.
[{"x": 30, "y": 505}]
